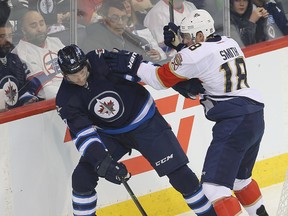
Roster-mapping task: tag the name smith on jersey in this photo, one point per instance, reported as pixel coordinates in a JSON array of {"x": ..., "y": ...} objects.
[{"x": 229, "y": 53}]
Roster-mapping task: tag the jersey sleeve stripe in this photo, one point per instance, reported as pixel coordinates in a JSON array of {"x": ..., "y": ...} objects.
[
  {"x": 167, "y": 77},
  {"x": 82, "y": 148},
  {"x": 84, "y": 132}
]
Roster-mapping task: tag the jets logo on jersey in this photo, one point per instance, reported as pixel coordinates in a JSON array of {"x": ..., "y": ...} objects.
[
  {"x": 108, "y": 106},
  {"x": 176, "y": 62},
  {"x": 51, "y": 65},
  {"x": 9, "y": 84}
]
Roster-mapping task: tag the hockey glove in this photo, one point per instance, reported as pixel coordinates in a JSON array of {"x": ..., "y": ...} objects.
[
  {"x": 123, "y": 62},
  {"x": 171, "y": 38},
  {"x": 190, "y": 88},
  {"x": 112, "y": 170}
]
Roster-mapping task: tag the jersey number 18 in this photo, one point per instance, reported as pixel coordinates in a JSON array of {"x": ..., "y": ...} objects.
[{"x": 239, "y": 71}]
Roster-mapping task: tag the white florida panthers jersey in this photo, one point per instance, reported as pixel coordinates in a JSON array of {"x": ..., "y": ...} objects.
[{"x": 219, "y": 63}]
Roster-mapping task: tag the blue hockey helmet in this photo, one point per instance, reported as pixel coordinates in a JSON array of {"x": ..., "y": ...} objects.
[{"x": 71, "y": 59}]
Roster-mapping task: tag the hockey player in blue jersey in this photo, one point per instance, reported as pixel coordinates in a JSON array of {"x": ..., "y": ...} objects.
[
  {"x": 108, "y": 116},
  {"x": 228, "y": 100}
]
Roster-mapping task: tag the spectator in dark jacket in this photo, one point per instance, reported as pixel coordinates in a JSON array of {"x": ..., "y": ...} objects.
[
  {"x": 248, "y": 25},
  {"x": 17, "y": 90},
  {"x": 277, "y": 23},
  {"x": 4, "y": 12}
]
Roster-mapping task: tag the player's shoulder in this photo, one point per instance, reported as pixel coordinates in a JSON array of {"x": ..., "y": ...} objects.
[
  {"x": 66, "y": 90},
  {"x": 196, "y": 50}
]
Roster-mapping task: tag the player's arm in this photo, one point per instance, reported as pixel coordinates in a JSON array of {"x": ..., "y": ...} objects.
[
  {"x": 130, "y": 63},
  {"x": 158, "y": 77},
  {"x": 91, "y": 147}
]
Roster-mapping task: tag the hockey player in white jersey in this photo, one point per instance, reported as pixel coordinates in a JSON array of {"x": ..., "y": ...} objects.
[{"x": 228, "y": 100}]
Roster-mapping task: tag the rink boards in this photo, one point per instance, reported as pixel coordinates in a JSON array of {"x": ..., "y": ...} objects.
[{"x": 37, "y": 156}]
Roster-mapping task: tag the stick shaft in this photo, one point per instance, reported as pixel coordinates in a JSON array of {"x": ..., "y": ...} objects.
[
  {"x": 171, "y": 11},
  {"x": 134, "y": 198}
]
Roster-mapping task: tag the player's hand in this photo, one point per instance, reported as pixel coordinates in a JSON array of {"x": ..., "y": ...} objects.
[
  {"x": 190, "y": 88},
  {"x": 171, "y": 38},
  {"x": 123, "y": 62},
  {"x": 113, "y": 171}
]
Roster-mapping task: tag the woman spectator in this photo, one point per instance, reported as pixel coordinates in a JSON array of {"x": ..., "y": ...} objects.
[{"x": 248, "y": 25}]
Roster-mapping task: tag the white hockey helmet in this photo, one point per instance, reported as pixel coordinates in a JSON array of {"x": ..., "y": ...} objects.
[{"x": 198, "y": 20}]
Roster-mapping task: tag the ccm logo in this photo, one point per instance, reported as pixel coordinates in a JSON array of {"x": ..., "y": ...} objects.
[{"x": 164, "y": 160}]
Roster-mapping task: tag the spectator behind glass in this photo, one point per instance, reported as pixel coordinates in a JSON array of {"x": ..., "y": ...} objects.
[
  {"x": 152, "y": 48},
  {"x": 5, "y": 11},
  {"x": 215, "y": 8},
  {"x": 12, "y": 73},
  {"x": 39, "y": 52},
  {"x": 62, "y": 15},
  {"x": 88, "y": 11},
  {"x": 248, "y": 25},
  {"x": 111, "y": 31},
  {"x": 141, "y": 8},
  {"x": 277, "y": 23},
  {"x": 159, "y": 16}
]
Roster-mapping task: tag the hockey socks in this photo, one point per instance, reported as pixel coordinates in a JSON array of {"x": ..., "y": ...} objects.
[
  {"x": 251, "y": 199},
  {"x": 228, "y": 206},
  {"x": 84, "y": 204},
  {"x": 186, "y": 182},
  {"x": 199, "y": 203}
]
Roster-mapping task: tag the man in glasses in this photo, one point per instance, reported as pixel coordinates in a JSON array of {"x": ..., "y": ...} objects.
[{"x": 111, "y": 31}]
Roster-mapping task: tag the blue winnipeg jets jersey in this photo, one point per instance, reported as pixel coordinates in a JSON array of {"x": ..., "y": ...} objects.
[
  {"x": 13, "y": 80},
  {"x": 109, "y": 104}
]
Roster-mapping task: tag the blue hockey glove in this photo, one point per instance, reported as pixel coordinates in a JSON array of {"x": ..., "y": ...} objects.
[
  {"x": 123, "y": 62},
  {"x": 190, "y": 88},
  {"x": 171, "y": 38},
  {"x": 112, "y": 170}
]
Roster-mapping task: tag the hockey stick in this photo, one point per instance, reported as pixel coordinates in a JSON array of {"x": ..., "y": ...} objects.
[
  {"x": 171, "y": 10},
  {"x": 134, "y": 198}
]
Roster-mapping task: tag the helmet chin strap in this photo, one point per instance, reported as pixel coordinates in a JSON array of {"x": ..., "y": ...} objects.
[{"x": 86, "y": 84}]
